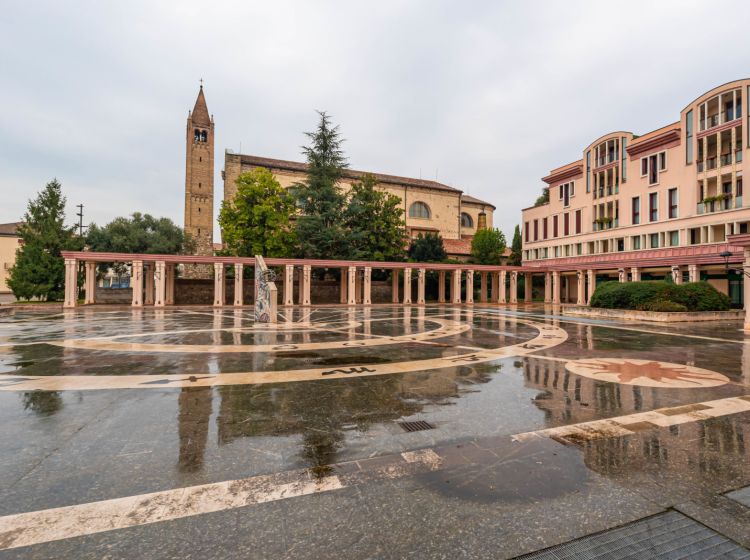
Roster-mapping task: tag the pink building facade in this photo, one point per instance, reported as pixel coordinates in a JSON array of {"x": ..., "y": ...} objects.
[{"x": 663, "y": 203}]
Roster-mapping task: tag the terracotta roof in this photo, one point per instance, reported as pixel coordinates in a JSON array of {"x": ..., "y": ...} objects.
[
  {"x": 348, "y": 173},
  {"x": 200, "y": 111},
  {"x": 10, "y": 229},
  {"x": 472, "y": 200}
]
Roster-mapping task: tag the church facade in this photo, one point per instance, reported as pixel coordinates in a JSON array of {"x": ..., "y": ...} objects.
[{"x": 429, "y": 206}]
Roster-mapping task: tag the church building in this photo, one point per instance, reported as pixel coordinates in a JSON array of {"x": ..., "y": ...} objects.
[{"x": 429, "y": 206}]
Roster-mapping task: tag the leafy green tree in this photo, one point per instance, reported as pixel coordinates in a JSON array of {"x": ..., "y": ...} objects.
[
  {"x": 321, "y": 202},
  {"x": 39, "y": 271},
  {"x": 140, "y": 233},
  {"x": 487, "y": 246},
  {"x": 542, "y": 198},
  {"x": 427, "y": 248},
  {"x": 375, "y": 225},
  {"x": 516, "y": 248},
  {"x": 257, "y": 220}
]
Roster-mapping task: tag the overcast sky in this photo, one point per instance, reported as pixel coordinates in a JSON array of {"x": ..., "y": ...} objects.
[{"x": 485, "y": 96}]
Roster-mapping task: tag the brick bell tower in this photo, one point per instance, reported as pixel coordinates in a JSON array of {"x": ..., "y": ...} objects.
[{"x": 199, "y": 176}]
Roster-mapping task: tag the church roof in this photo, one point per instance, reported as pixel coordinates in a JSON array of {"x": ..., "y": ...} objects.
[
  {"x": 348, "y": 173},
  {"x": 473, "y": 200},
  {"x": 200, "y": 111},
  {"x": 10, "y": 229}
]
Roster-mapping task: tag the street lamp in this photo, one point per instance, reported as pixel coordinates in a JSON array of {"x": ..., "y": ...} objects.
[{"x": 740, "y": 270}]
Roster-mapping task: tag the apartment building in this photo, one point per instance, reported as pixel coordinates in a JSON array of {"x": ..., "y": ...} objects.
[{"x": 638, "y": 207}]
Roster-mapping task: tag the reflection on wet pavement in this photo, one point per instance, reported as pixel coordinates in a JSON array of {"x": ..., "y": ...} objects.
[{"x": 558, "y": 427}]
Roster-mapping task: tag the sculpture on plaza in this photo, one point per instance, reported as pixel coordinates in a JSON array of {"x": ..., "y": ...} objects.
[{"x": 265, "y": 292}]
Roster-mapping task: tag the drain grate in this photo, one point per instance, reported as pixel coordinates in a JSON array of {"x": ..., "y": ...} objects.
[
  {"x": 667, "y": 536},
  {"x": 416, "y": 426}
]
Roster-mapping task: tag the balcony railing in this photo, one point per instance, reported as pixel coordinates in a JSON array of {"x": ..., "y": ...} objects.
[
  {"x": 721, "y": 118},
  {"x": 604, "y": 160}
]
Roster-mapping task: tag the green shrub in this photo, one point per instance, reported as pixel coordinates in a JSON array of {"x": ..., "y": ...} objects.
[
  {"x": 665, "y": 306},
  {"x": 694, "y": 296}
]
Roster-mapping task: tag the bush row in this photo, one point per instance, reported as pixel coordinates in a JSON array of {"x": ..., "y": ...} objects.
[{"x": 660, "y": 296}]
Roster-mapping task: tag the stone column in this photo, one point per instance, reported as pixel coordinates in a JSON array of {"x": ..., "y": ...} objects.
[
  {"x": 441, "y": 286},
  {"x": 513, "y": 286},
  {"x": 693, "y": 273},
  {"x": 238, "y": 286},
  {"x": 483, "y": 287},
  {"x": 136, "y": 281},
  {"x": 496, "y": 287},
  {"x": 547, "y": 287},
  {"x": 469, "y": 286},
  {"x": 148, "y": 275},
  {"x": 218, "y": 284},
  {"x": 527, "y": 285},
  {"x": 357, "y": 287},
  {"x": 352, "y": 286},
  {"x": 394, "y": 286},
  {"x": 160, "y": 295},
  {"x": 170, "y": 274},
  {"x": 501, "y": 286},
  {"x": 456, "y": 286},
  {"x": 677, "y": 274},
  {"x": 581, "y": 277},
  {"x": 342, "y": 287},
  {"x": 305, "y": 281},
  {"x": 71, "y": 283},
  {"x": 90, "y": 284},
  {"x": 289, "y": 284},
  {"x": 746, "y": 287},
  {"x": 367, "y": 286},
  {"x": 635, "y": 274},
  {"x": 407, "y": 285},
  {"x": 420, "y": 285},
  {"x": 555, "y": 287},
  {"x": 591, "y": 278}
]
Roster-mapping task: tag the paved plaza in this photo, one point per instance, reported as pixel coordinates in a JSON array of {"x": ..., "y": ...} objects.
[{"x": 371, "y": 432}]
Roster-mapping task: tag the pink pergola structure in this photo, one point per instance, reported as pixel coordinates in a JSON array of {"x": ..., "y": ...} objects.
[{"x": 152, "y": 276}]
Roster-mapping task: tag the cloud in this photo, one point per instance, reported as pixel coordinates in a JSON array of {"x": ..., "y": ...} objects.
[{"x": 488, "y": 96}]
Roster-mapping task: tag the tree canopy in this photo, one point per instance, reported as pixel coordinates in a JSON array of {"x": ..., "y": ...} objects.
[
  {"x": 321, "y": 201},
  {"x": 427, "y": 248},
  {"x": 487, "y": 246},
  {"x": 257, "y": 220},
  {"x": 374, "y": 222},
  {"x": 542, "y": 198},
  {"x": 39, "y": 270},
  {"x": 140, "y": 233},
  {"x": 516, "y": 248}
]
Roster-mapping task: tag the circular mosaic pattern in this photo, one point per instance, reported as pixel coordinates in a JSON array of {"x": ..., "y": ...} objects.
[
  {"x": 646, "y": 373},
  {"x": 547, "y": 336}
]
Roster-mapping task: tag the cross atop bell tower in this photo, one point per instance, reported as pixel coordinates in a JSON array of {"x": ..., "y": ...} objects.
[{"x": 199, "y": 176}]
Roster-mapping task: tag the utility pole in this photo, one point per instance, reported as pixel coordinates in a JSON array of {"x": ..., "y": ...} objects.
[{"x": 81, "y": 227}]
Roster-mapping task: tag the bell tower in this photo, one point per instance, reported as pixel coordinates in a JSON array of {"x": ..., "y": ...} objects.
[{"x": 199, "y": 176}]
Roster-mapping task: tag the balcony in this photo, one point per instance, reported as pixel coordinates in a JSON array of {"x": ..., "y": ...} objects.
[
  {"x": 718, "y": 203},
  {"x": 605, "y": 160},
  {"x": 607, "y": 222},
  {"x": 720, "y": 118}
]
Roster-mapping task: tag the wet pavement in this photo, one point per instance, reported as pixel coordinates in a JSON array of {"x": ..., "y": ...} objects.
[{"x": 192, "y": 432}]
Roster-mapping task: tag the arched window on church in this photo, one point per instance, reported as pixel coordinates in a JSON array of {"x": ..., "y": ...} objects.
[
  {"x": 204, "y": 136},
  {"x": 197, "y": 135},
  {"x": 419, "y": 210},
  {"x": 466, "y": 220}
]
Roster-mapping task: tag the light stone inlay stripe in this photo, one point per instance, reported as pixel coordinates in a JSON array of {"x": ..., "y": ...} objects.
[{"x": 36, "y": 527}]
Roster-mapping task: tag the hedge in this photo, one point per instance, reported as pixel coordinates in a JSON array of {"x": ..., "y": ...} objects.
[{"x": 660, "y": 296}]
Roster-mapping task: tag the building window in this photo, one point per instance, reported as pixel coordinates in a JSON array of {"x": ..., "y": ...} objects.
[
  {"x": 653, "y": 210},
  {"x": 579, "y": 249},
  {"x": 652, "y": 165},
  {"x": 544, "y": 228},
  {"x": 588, "y": 171},
  {"x": 739, "y": 186},
  {"x": 554, "y": 226},
  {"x": 566, "y": 191},
  {"x": 526, "y": 231},
  {"x": 624, "y": 160},
  {"x": 466, "y": 220},
  {"x": 689, "y": 137},
  {"x": 672, "y": 194},
  {"x": 566, "y": 224},
  {"x": 419, "y": 210},
  {"x": 654, "y": 240},
  {"x": 578, "y": 221},
  {"x": 674, "y": 238},
  {"x": 636, "y": 210},
  {"x": 536, "y": 230},
  {"x": 636, "y": 242}
]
